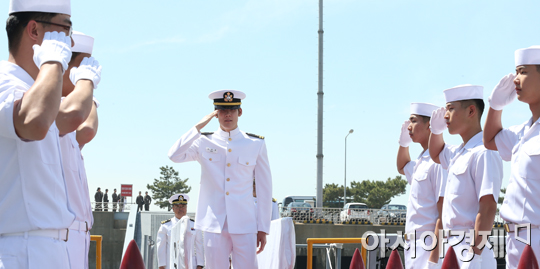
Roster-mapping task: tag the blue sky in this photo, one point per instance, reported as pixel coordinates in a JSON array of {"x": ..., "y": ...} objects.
[{"x": 161, "y": 59}]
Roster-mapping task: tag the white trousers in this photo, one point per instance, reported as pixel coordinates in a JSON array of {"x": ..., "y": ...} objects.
[
  {"x": 219, "y": 246},
  {"x": 422, "y": 256},
  {"x": 32, "y": 252},
  {"x": 488, "y": 259},
  {"x": 514, "y": 248},
  {"x": 78, "y": 246}
]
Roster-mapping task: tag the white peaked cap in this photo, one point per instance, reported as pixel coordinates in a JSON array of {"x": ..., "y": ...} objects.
[
  {"x": 179, "y": 198},
  {"x": 528, "y": 56},
  {"x": 423, "y": 109},
  {"x": 47, "y": 6},
  {"x": 83, "y": 43},
  {"x": 219, "y": 94},
  {"x": 464, "y": 92}
]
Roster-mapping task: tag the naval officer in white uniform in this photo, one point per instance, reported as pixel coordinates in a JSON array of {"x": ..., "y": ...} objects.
[
  {"x": 82, "y": 76},
  {"x": 179, "y": 204},
  {"x": 35, "y": 210},
  {"x": 229, "y": 159},
  {"x": 427, "y": 180},
  {"x": 519, "y": 145},
  {"x": 474, "y": 174}
]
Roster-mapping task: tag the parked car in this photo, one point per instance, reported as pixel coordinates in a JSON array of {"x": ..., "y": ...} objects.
[
  {"x": 392, "y": 213},
  {"x": 354, "y": 212},
  {"x": 299, "y": 211}
]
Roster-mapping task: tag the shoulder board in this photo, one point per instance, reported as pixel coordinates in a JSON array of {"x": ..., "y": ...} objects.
[
  {"x": 207, "y": 133},
  {"x": 254, "y": 135},
  {"x": 274, "y": 200},
  {"x": 165, "y": 221}
]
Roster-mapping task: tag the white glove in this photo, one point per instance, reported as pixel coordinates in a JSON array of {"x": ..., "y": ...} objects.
[
  {"x": 56, "y": 47},
  {"x": 88, "y": 69},
  {"x": 405, "y": 138},
  {"x": 432, "y": 265},
  {"x": 504, "y": 93},
  {"x": 475, "y": 263},
  {"x": 437, "y": 123}
]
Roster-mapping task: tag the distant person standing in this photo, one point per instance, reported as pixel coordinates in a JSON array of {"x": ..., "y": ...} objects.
[
  {"x": 147, "y": 201},
  {"x": 140, "y": 202},
  {"x": 179, "y": 207},
  {"x": 115, "y": 199},
  {"x": 98, "y": 197},
  {"x": 106, "y": 200},
  {"x": 121, "y": 203}
]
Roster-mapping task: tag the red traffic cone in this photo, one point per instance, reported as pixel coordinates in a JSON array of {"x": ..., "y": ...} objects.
[
  {"x": 450, "y": 260},
  {"x": 394, "y": 262},
  {"x": 357, "y": 261},
  {"x": 528, "y": 259},
  {"x": 132, "y": 257}
]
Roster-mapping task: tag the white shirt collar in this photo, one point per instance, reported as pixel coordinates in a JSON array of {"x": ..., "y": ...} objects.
[
  {"x": 224, "y": 134},
  {"x": 474, "y": 141},
  {"x": 424, "y": 154},
  {"x": 16, "y": 71}
]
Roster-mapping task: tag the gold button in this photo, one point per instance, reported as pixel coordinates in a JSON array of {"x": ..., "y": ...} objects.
[
  {"x": 230, "y": 139},
  {"x": 230, "y": 150},
  {"x": 228, "y": 165},
  {"x": 247, "y": 163},
  {"x": 228, "y": 179},
  {"x": 227, "y": 193},
  {"x": 210, "y": 159}
]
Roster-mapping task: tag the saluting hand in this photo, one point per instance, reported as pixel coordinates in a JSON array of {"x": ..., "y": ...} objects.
[
  {"x": 206, "y": 120},
  {"x": 437, "y": 123},
  {"x": 405, "y": 138},
  {"x": 504, "y": 93}
]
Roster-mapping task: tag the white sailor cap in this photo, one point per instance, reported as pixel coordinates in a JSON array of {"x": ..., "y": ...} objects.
[
  {"x": 464, "y": 92},
  {"x": 83, "y": 43},
  {"x": 179, "y": 198},
  {"x": 47, "y": 6},
  {"x": 423, "y": 109},
  {"x": 227, "y": 99},
  {"x": 528, "y": 56}
]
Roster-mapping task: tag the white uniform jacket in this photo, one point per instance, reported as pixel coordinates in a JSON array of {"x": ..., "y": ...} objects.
[
  {"x": 473, "y": 172},
  {"x": 33, "y": 186},
  {"x": 76, "y": 180},
  {"x": 229, "y": 163},
  {"x": 521, "y": 145},
  {"x": 428, "y": 181},
  {"x": 163, "y": 249}
]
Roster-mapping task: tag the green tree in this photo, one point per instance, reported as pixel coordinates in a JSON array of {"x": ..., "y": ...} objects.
[
  {"x": 501, "y": 197},
  {"x": 169, "y": 183},
  {"x": 376, "y": 193},
  {"x": 332, "y": 195}
]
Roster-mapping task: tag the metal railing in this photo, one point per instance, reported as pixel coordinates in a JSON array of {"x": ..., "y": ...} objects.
[
  {"x": 343, "y": 216},
  {"x": 311, "y": 241},
  {"x": 110, "y": 206},
  {"x": 350, "y": 216}
]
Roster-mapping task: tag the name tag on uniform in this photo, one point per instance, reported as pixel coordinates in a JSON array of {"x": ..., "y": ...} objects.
[{"x": 211, "y": 150}]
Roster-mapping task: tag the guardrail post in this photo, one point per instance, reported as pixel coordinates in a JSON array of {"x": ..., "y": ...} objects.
[{"x": 98, "y": 239}]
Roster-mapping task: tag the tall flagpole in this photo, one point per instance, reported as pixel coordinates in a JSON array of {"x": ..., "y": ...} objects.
[{"x": 320, "y": 113}]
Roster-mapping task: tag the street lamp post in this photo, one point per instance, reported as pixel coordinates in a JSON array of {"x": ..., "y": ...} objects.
[{"x": 345, "y": 181}]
